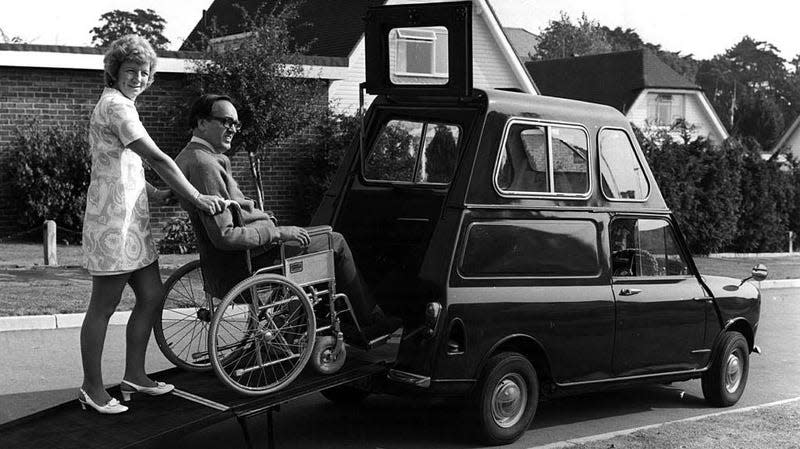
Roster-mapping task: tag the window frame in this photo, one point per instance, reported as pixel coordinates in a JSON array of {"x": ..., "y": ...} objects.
[
  {"x": 434, "y": 57},
  {"x": 636, "y": 151},
  {"x": 598, "y": 245},
  {"x": 551, "y": 180},
  {"x": 426, "y": 125},
  {"x": 677, "y": 242},
  {"x": 677, "y": 103}
]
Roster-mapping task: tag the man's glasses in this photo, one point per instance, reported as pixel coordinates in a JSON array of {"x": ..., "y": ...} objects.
[{"x": 231, "y": 124}]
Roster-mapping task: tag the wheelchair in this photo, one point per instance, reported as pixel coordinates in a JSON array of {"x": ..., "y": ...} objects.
[{"x": 263, "y": 332}]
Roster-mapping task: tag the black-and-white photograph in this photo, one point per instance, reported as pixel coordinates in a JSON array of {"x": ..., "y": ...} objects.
[{"x": 404, "y": 224}]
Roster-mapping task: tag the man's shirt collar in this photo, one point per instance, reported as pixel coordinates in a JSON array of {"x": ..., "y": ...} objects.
[{"x": 203, "y": 142}]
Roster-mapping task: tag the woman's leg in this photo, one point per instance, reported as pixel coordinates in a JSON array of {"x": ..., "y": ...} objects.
[
  {"x": 149, "y": 290},
  {"x": 106, "y": 293}
]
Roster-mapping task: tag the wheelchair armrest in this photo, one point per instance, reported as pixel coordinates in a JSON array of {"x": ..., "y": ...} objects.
[{"x": 317, "y": 230}]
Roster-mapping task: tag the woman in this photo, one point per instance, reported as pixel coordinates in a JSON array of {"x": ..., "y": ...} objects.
[{"x": 117, "y": 243}]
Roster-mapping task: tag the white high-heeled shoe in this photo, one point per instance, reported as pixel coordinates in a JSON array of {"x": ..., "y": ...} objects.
[
  {"x": 129, "y": 388},
  {"x": 113, "y": 406}
]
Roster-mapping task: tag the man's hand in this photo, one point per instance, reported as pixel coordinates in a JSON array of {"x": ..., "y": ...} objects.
[{"x": 289, "y": 233}]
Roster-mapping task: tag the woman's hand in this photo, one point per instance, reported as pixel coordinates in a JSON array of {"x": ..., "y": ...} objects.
[
  {"x": 209, "y": 204},
  {"x": 289, "y": 233}
]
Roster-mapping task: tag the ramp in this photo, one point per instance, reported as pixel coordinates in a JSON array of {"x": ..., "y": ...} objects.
[{"x": 200, "y": 400}]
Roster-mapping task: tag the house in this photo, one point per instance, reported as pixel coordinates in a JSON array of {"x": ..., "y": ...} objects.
[
  {"x": 523, "y": 42},
  {"x": 332, "y": 31},
  {"x": 789, "y": 143},
  {"x": 651, "y": 94}
]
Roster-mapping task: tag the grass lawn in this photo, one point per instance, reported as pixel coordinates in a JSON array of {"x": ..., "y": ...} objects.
[
  {"x": 775, "y": 427},
  {"x": 28, "y": 288}
]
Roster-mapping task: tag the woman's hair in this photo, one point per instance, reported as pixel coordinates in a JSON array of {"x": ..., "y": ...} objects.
[
  {"x": 130, "y": 47},
  {"x": 201, "y": 108}
]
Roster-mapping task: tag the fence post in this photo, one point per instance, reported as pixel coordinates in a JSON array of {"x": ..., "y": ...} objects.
[
  {"x": 791, "y": 240},
  {"x": 50, "y": 249}
]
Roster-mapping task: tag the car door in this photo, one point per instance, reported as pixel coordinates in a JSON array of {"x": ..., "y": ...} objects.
[{"x": 660, "y": 305}]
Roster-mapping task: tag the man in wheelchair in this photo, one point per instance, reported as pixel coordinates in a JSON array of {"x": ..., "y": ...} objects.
[{"x": 221, "y": 240}]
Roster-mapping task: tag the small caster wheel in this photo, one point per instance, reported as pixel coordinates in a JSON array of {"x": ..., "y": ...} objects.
[{"x": 325, "y": 358}]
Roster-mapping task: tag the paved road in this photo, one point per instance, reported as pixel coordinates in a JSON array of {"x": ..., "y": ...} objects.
[{"x": 43, "y": 367}]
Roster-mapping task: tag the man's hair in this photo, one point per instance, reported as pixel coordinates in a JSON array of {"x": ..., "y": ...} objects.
[
  {"x": 130, "y": 47},
  {"x": 201, "y": 108}
]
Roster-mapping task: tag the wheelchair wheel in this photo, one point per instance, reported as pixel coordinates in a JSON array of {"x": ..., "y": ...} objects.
[
  {"x": 262, "y": 334},
  {"x": 181, "y": 329}
]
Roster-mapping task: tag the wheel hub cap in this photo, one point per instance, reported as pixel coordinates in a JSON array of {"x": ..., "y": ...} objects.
[
  {"x": 733, "y": 373},
  {"x": 509, "y": 399}
]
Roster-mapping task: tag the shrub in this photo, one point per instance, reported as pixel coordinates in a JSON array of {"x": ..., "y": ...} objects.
[
  {"x": 700, "y": 184},
  {"x": 49, "y": 174},
  {"x": 322, "y": 149},
  {"x": 768, "y": 200},
  {"x": 726, "y": 197},
  {"x": 178, "y": 237}
]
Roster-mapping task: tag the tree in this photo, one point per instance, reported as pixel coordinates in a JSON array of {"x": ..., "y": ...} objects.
[
  {"x": 144, "y": 22},
  {"x": 750, "y": 87},
  {"x": 6, "y": 39},
  {"x": 563, "y": 39},
  {"x": 275, "y": 99},
  {"x": 442, "y": 155}
]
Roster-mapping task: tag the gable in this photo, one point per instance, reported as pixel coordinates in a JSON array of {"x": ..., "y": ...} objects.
[
  {"x": 689, "y": 105},
  {"x": 790, "y": 140}
]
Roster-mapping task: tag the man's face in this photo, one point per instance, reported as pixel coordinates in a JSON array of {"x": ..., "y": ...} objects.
[{"x": 219, "y": 128}]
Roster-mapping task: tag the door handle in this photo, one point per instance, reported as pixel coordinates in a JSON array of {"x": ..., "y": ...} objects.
[{"x": 629, "y": 291}]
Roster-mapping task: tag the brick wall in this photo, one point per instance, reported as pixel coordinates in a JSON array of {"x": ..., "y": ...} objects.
[{"x": 65, "y": 97}]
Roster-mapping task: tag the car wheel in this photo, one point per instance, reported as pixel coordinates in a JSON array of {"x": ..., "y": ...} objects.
[
  {"x": 345, "y": 394},
  {"x": 505, "y": 399},
  {"x": 724, "y": 382}
]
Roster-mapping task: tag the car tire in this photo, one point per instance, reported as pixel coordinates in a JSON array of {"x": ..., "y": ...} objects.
[
  {"x": 345, "y": 394},
  {"x": 725, "y": 380},
  {"x": 505, "y": 399}
]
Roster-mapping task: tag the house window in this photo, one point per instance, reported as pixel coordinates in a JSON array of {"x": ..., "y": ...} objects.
[
  {"x": 419, "y": 52},
  {"x": 665, "y": 109}
]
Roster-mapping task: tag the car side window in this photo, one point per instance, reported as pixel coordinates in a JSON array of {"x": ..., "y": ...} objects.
[
  {"x": 414, "y": 152},
  {"x": 531, "y": 248},
  {"x": 621, "y": 173},
  {"x": 645, "y": 247},
  {"x": 544, "y": 159}
]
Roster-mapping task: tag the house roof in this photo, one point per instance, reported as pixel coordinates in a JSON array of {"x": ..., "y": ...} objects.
[
  {"x": 793, "y": 128},
  {"x": 89, "y": 50},
  {"x": 331, "y": 29},
  {"x": 523, "y": 41},
  {"x": 614, "y": 79},
  {"x": 84, "y": 58}
]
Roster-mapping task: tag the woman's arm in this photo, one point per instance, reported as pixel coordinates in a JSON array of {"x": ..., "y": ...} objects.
[{"x": 169, "y": 172}]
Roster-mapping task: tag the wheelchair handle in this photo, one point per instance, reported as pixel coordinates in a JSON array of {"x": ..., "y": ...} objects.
[{"x": 317, "y": 230}]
